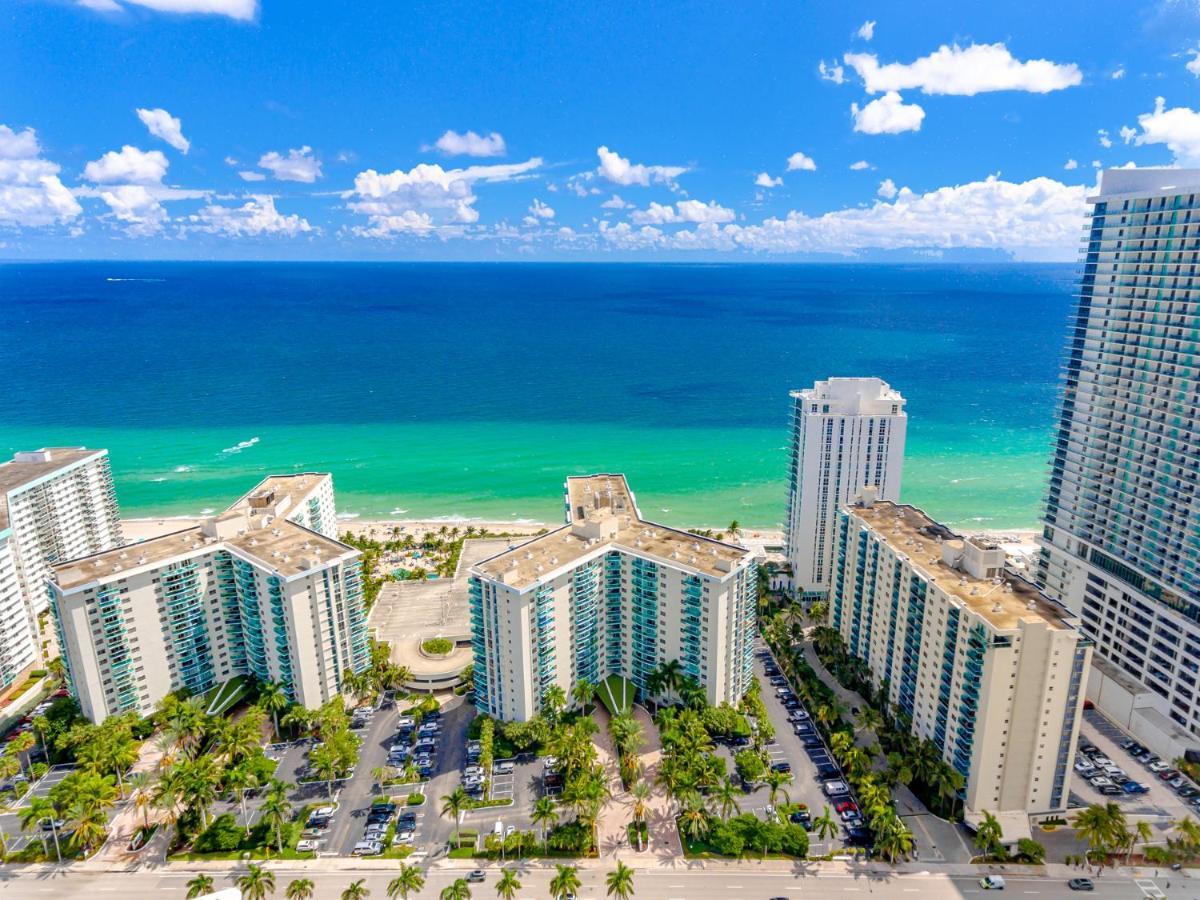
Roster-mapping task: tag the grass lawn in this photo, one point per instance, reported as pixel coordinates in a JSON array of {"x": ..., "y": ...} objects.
[
  {"x": 224, "y": 696},
  {"x": 616, "y": 693}
]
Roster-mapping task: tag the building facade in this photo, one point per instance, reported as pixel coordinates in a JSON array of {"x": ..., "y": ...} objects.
[
  {"x": 609, "y": 593},
  {"x": 305, "y": 498},
  {"x": 245, "y": 593},
  {"x": 55, "y": 503},
  {"x": 1121, "y": 538},
  {"x": 847, "y": 434},
  {"x": 981, "y": 662}
]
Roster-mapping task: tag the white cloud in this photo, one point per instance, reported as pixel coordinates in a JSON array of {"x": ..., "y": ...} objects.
[
  {"x": 798, "y": 162},
  {"x": 31, "y": 193},
  {"x": 620, "y": 170},
  {"x": 615, "y": 202},
  {"x": 1118, "y": 73},
  {"x": 1127, "y": 133},
  {"x": 763, "y": 180},
  {"x": 888, "y": 114},
  {"x": 425, "y": 199},
  {"x": 866, "y": 31},
  {"x": 254, "y": 218},
  {"x": 540, "y": 210},
  {"x": 860, "y": 165},
  {"x": 242, "y": 10},
  {"x": 965, "y": 72},
  {"x": 1178, "y": 128},
  {"x": 136, "y": 206},
  {"x": 1105, "y": 140},
  {"x": 130, "y": 165},
  {"x": 683, "y": 211},
  {"x": 165, "y": 126},
  {"x": 1071, "y": 164},
  {"x": 471, "y": 144},
  {"x": 1193, "y": 64},
  {"x": 831, "y": 72},
  {"x": 251, "y": 175},
  {"x": 298, "y": 165},
  {"x": 887, "y": 189}
]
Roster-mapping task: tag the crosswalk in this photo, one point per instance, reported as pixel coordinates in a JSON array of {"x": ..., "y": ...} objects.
[{"x": 1149, "y": 888}]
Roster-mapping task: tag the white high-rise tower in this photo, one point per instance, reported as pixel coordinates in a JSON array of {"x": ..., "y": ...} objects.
[{"x": 847, "y": 434}]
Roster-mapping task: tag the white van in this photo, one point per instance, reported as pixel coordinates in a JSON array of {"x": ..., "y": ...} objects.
[{"x": 992, "y": 882}]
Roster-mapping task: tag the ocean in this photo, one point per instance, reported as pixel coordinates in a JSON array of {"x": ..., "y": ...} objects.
[{"x": 472, "y": 390}]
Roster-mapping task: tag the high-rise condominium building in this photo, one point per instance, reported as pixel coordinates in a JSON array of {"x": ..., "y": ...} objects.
[
  {"x": 981, "y": 662},
  {"x": 55, "y": 504},
  {"x": 847, "y": 434},
  {"x": 609, "y": 594},
  {"x": 1121, "y": 537},
  {"x": 249, "y": 592}
]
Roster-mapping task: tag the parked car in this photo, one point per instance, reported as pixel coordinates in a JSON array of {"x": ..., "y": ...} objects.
[
  {"x": 1168, "y": 774},
  {"x": 1134, "y": 787},
  {"x": 1158, "y": 766},
  {"x": 503, "y": 768},
  {"x": 835, "y": 788},
  {"x": 1109, "y": 790},
  {"x": 368, "y": 848}
]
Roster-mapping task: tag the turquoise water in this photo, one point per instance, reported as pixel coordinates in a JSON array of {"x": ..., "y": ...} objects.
[{"x": 472, "y": 391}]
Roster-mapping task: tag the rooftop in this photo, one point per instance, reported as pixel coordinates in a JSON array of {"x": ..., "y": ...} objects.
[
  {"x": 284, "y": 547},
  {"x": 1003, "y": 600},
  {"x": 603, "y": 513},
  {"x": 24, "y": 468},
  {"x": 279, "y": 494},
  {"x": 853, "y": 396}
]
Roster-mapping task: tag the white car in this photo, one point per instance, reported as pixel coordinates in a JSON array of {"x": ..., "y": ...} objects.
[
  {"x": 1084, "y": 768},
  {"x": 368, "y": 848},
  {"x": 405, "y": 722},
  {"x": 550, "y": 762},
  {"x": 473, "y": 771},
  {"x": 1158, "y": 767},
  {"x": 503, "y": 768},
  {"x": 323, "y": 812},
  {"x": 1101, "y": 781},
  {"x": 403, "y": 837},
  {"x": 833, "y": 788},
  {"x": 307, "y": 846}
]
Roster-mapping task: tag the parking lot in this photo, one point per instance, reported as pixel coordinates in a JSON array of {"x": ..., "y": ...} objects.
[
  {"x": 1160, "y": 801},
  {"x": 18, "y": 838}
]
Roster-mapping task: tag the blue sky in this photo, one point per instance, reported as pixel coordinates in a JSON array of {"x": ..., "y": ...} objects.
[{"x": 290, "y": 129}]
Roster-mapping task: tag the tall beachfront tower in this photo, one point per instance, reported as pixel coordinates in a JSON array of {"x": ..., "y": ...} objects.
[
  {"x": 847, "y": 434},
  {"x": 610, "y": 593},
  {"x": 247, "y": 593},
  {"x": 1121, "y": 537},
  {"x": 55, "y": 503},
  {"x": 978, "y": 660}
]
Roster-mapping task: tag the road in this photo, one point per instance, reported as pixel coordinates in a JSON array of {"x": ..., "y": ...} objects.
[{"x": 695, "y": 884}]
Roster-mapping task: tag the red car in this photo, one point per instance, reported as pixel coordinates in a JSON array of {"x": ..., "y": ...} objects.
[{"x": 845, "y": 805}]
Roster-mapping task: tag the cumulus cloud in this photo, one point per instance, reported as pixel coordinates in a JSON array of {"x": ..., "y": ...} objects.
[
  {"x": 798, "y": 162},
  {"x": 866, "y": 31},
  {"x": 1127, "y": 133},
  {"x": 256, "y": 217},
  {"x": 965, "y": 71},
  {"x": 241, "y": 10},
  {"x": 471, "y": 144},
  {"x": 683, "y": 211},
  {"x": 166, "y": 127},
  {"x": 831, "y": 72},
  {"x": 1118, "y": 73},
  {"x": 538, "y": 211},
  {"x": 128, "y": 165},
  {"x": 763, "y": 180},
  {"x": 251, "y": 175},
  {"x": 620, "y": 170},
  {"x": 615, "y": 202},
  {"x": 888, "y": 114},
  {"x": 1105, "y": 140},
  {"x": 425, "y": 199},
  {"x": 298, "y": 165},
  {"x": 31, "y": 193},
  {"x": 1178, "y": 128},
  {"x": 860, "y": 165},
  {"x": 1071, "y": 164},
  {"x": 887, "y": 189}
]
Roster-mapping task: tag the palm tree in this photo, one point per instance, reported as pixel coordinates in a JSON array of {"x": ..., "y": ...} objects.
[
  {"x": 894, "y": 839},
  {"x": 508, "y": 885},
  {"x": 725, "y": 798},
  {"x": 671, "y": 673},
  {"x": 409, "y": 881},
  {"x": 357, "y": 890},
  {"x": 21, "y": 745},
  {"x": 545, "y": 813},
  {"x": 567, "y": 879},
  {"x": 256, "y": 883},
  {"x": 459, "y": 890},
  {"x": 453, "y": 805},
  {"x": 620, "y": 882},
  {"x": 240, "y": 779},
  {"x": 583, "y": 692},
  {"x": 142, "y": 796},
  {"x": 300, "y": 889},
  {"x": 274, "y": 700},
  {"x": 775, "y": 782},
  {"x": 276, "y": 810},
  {"x": 824, "y": 825},
  {"x": 199, "y": 886},
  {"x": 39, "y": 810},
  {"x": 694, "y": 822},
  {"x": 1142, "y": 832},
  {"x": 988, "y": 836},
  {"x": 1097, "y": 826}
]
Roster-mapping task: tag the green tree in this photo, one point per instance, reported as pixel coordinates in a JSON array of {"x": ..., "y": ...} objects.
[
  {"x": 825, "y": 825},
  {"x": 583, "y": 693},
  {"x": 565, "y": 880},
  {"x": 545, "y": 816},
  {"x": 274, "y": 700},
  {"x": 276, "y": 810},
  {"x": 554, "y": 700},
  {"x": 458, "y": 890},
  {"x": 453, "y": 805},
  {"x": 257, "y": 883},
  {"x": 508, "y": 885},
  {"x": 356, "y": 890},
  {"x": 1032, "y": 851},
  {"x": 989, "y": 836},
  {"x": 775, "y": 782},
  {"x": 409, "y": 881},
  {"x": 199, "y": 886},
  {"x": 724, "y": 798},
  {"x": 37, "y": 811},
  {"x": 300, "y": 889},
  {"x": 620, "y": 882}
]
